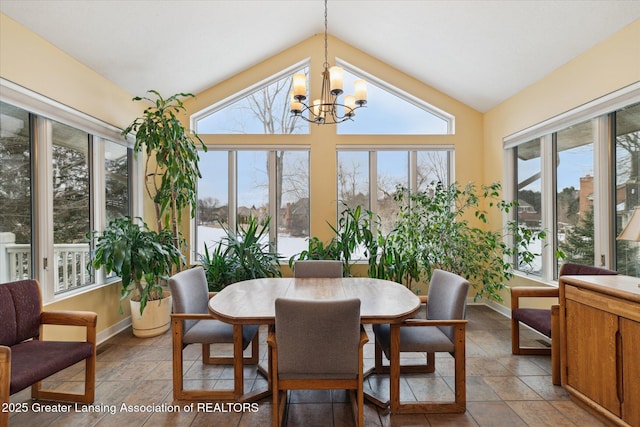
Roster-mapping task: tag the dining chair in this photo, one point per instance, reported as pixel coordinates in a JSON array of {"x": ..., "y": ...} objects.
[
  {"x": 317, "y": 344},
  {"x": 193, "y": 324},
  {"x": 317, "y": 268},
  {"x": 543, "y": 320},
  {"x": 442, "y": 331}
]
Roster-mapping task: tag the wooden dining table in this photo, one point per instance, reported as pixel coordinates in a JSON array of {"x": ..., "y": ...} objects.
[{"x": 252, "y": 302}]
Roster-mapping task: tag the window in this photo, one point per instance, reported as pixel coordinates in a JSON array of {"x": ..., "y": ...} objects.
[
  {"x": 78, "y": 181},
  {"x": 627, "y": 184},
  {"x": 575, "y": 193},
  {"x": 577, "y": 178},
  {"x": 15, "y": 194},
  {"x": 362, "y": 174},
  {"x": 391, "y": 111},
  {"x": 259, "y": 183},
  {"x": 71, "y": 202},
  {"x": 116, "y": 189},
  {"x": 528, "y": 184},
  {"x": 261, "y": 109}
]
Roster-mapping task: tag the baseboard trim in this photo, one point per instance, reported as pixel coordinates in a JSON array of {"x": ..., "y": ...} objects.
[{"x": 113, "y": 330}]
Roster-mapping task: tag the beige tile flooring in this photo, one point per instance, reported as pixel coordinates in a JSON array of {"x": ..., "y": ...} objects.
[{"x": 502, "y": 389}]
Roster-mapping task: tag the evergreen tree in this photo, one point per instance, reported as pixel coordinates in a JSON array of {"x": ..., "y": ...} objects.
[{"x": 578, "y": 242}]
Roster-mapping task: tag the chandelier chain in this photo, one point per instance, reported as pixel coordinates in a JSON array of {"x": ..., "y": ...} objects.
[{"x": 326, "y": 43}]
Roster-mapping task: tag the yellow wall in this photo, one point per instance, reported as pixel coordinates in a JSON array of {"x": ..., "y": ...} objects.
[
  {"x": 607, "y": 67},
  {"x": 34, "y": 63}
]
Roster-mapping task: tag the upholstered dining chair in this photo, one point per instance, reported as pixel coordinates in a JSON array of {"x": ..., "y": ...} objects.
[
  {"x": 317, "y": 344},
  {"x": 193, "y": 324},
  {"x": 317, "y": 268},
  {"x": 543, "y": 320},
  {"x": 442, "y": 331}
]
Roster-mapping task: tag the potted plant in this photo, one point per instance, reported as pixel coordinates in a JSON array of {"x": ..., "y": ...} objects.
[
  {"x": 143, "y": 260},
  {"x": 242, "y": 255}
]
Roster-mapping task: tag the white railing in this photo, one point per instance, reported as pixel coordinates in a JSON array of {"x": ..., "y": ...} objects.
[{"x": 69, "y": 263}]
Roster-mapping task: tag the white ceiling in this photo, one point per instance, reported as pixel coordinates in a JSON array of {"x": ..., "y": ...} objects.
[{"x": 479, "y": 52}]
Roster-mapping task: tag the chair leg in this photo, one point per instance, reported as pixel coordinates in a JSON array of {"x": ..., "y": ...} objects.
[
  {"x": 394, "y": 369},
  {"x": 515, "y": 336},
  {"x": 378, "y": 369}
]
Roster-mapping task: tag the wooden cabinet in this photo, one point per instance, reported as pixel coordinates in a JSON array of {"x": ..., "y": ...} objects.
[{"x": 600, "y": 345}]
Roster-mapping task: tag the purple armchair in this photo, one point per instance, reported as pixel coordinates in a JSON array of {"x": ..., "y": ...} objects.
[
  {"x": 26, "y": 359},
  {"x": 544, "y": 321}
]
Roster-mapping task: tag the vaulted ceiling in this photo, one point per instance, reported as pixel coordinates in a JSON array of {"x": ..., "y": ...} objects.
[{"x": 479, "y": 52}]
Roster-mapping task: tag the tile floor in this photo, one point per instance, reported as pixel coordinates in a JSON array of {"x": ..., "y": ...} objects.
[{"x": 502, "y": 389}]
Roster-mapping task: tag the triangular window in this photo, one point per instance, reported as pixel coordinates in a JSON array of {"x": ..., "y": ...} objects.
[
  {"x": 391, "y": 111},
  {"x": 260, "y": 109}
]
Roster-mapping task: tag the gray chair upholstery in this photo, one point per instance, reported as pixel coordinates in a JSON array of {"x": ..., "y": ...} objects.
[
  {"x": 317, "y": 268},
  {"x": 192, "y": 324},
  {"x": 544, "y": 320},
  {"x": 317, "y": 345},
  {"x": 442, "y": 331}
]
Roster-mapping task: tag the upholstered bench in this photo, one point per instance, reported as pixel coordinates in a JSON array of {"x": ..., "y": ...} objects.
[{"x": 26, "y": 359}]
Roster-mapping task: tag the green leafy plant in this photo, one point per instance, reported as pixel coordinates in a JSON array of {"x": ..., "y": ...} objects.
[
  {"x": 171, "y": 168},
  {"x": 434, "y": 231},
  {"x": 142, "y": 258},
  {"x": 242, "y": 255},
  {"x": 353, "y": 233}
]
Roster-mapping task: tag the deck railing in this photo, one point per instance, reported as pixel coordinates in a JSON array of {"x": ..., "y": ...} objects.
[{"x": 69, "y": 263}]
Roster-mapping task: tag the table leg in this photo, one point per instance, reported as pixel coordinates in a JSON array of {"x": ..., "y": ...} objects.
[{"x": 394, "y": 370}]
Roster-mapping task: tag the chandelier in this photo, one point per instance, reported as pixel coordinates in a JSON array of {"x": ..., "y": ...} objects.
[{"x": 328, "y": 109}]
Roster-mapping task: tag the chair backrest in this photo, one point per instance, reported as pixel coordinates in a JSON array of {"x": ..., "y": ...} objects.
[
  {"x": 190, "y": 293},
  {"x": 570, "y": 268},
  {"x": 317, "y": 338},
  {"x": 317, "y": 268},
  {"x": 20, "y": 307},
  {"x": 447, "y": 298}
]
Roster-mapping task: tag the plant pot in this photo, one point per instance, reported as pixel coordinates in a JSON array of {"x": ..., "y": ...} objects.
[{"x": 155, "y": 319}]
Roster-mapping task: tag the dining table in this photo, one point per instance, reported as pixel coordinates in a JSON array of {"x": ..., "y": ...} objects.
[{"x": 252, "y": 302}]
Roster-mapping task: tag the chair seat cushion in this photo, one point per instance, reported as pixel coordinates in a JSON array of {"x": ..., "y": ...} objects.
[
  {"x": 536, "y": 318},
  {"x": 33, "y": 361},
  {"x": 414, "y": 339},
  {"x": 217, "y": 332}
]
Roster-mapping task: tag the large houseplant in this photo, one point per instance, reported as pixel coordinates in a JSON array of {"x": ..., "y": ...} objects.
[
  {"x": 434, "y": 230},
  {"x": 171, "y": 165},
  {"x": 240, "y": 255},
  {"x": 143, "y": 259}
]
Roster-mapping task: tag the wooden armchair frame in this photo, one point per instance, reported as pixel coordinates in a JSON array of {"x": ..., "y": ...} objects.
[
  {"x": 355, "y": 386},
  {"x": 85, "y": 319},
  {"x": 554, "y": 351},
  {"x": 179, "y": 393},
  {"x": 459, "y": 355}
]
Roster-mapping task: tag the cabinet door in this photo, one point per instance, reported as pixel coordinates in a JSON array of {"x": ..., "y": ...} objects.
[
  {"x": 591, "y": 354},
  {"x": 630, "y": 332}
]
